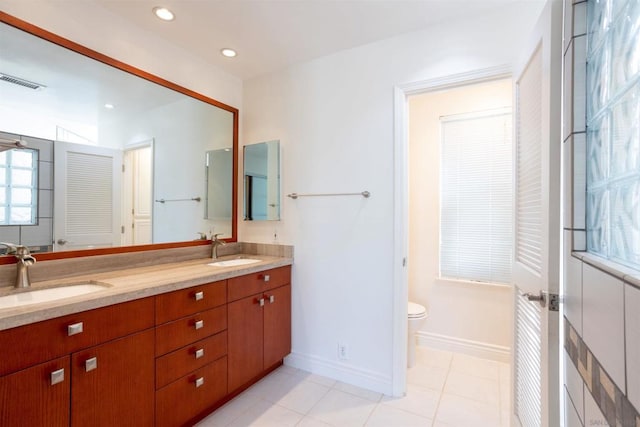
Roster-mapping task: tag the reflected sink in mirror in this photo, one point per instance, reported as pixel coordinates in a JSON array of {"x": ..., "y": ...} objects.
[
  {"x": 47, "y": 295},
  {"x": 234, "y": 262}
]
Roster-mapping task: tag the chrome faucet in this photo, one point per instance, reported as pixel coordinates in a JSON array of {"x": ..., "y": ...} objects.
[
  {"x": 24, "y": 261},
  {"x": 215, "y": 242}
]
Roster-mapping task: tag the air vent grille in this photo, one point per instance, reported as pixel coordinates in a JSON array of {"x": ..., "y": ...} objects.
[{"x": 20, "y": 82}]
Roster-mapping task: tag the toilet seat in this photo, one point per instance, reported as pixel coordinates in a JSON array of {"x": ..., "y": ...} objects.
[{"x": 416, "y": 311}]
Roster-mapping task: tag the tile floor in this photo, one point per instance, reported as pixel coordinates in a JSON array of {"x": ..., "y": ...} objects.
[{"x": 444, "y": 389}]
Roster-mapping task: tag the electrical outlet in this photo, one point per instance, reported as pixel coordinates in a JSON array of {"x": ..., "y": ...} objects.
[{"x": 343, "y": 351}]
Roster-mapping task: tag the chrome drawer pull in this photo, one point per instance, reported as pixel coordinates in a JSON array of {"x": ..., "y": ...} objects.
[
  {"x": 199, "y": 382},
  {"x": 198, "y": 295},
  {"x": 74, "y": 329},
  {"x": 261, "y": 302},
  {"x": 57, "y": 376},
  {"x": 272, "y": 299},
  {"x": 266, "y": 278},
  {"x": 199, "y": 324},
  {"x": 91, "y": 364},
  {"x": 199, "y": 353}
]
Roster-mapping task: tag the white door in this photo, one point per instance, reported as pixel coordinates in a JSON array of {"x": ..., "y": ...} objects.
[
  {"x": 137, "y": 193},
  {"x": 87, "y": 197},
  {"x": 536, "y": 258}
]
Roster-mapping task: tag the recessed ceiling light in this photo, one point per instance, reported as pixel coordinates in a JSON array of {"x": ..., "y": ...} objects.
[
  {"x": 163, "y": 13},
  {"x": 228, "y": 52},
  {"x": 109, "y": 106}
]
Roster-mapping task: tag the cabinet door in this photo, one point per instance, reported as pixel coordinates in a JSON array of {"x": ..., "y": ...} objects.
[
  {"x": 191, "y": 397},
  {"x": 277, "y": 325},
  {"x": 244, "y": 329},
  {"x": 36, "y": 396},
  {"x": 113, "y": 383}
]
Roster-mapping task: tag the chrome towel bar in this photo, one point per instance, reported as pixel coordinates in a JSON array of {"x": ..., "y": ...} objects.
[{"x": 364, "y": 194}]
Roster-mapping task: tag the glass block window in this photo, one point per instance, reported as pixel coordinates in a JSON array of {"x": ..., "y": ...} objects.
[
  {"x": 476, "y": 196},
  {"x": 613, "y": 130},
  {"x": 18, "y": 187}
]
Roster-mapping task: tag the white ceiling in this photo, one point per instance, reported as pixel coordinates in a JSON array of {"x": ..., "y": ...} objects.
[{"x": 273, "y": 34}]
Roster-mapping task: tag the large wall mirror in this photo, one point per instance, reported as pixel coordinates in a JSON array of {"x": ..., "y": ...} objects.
[{"x": 119, "y": 151}]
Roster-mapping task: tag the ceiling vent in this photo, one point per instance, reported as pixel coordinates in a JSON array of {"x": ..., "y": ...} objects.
[{"x": 20, "y": 82}]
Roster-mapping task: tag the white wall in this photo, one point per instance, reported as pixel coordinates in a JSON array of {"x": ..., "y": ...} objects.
[
  {"x": 334, "y": 119},
  {"x": 474, "y": 314}
]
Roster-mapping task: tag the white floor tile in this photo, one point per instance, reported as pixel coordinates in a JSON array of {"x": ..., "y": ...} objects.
[
  {"x": 302, "y": 397},
  {"x": 419, "y": 401},
  {"x": 472, "y": 387},
  {"x": 311, "y": 422},
  {"x": 342, "y": 409},
  {"x": 427, "y": 376},
  {"x": 266, "y": 414},
  {"x": 230, "y": 411},
  {"x": 431, "y": 357},
  {"x": 318, "y": 379},
  {"x": 386, "y": 416},
  {"x": 476, "y": 366},
  {"x": 373, "y": 396},
  {"x": 462, "y": 412}
]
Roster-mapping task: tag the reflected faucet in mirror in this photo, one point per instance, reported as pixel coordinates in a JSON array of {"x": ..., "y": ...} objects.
[{"x": 22, "y": 265}]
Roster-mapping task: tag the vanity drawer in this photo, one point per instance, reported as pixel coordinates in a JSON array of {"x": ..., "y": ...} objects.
[
  {"x": 250, "y": 284},
  {"x": 178, "y": 363},
  {"x": 187, "y": 330},
  {"x": 190, "y": 396},
  {"x": 177, "y": 304},
  {"x": 66, "y": 334}
]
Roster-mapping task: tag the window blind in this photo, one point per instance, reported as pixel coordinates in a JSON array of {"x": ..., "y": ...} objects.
[{"x": 476, "y": 196}]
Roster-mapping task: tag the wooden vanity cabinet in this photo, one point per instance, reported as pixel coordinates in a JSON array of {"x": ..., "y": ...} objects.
[
  {"x": 191, "y": 352},
  {"x": 91, "y": 368},
  {"x": 259, "y": 327},
  {"x": 29, "y": 398}
]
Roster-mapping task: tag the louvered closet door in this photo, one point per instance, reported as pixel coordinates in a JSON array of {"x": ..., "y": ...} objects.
[
  {"x": 87, "y": 196},
  {"x": 536, "y": 257}
]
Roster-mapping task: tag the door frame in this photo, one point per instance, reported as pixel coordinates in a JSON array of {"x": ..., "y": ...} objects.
[
  {"x": 401, "y": 202},
  {"x": 125, "y": 151}
]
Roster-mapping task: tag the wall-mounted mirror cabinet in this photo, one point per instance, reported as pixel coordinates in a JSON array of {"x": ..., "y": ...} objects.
[
  {"x": 262, "y": 181},
  {"x": 97, "y": 114}
]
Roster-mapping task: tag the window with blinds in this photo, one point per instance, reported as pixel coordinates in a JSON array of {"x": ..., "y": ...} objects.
[
  {"x": 19, "y": 187},
  {"x": 476, "y": 196}
]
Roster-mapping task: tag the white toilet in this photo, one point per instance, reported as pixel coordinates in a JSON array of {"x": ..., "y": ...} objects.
[{"x": 417, "y": 313}]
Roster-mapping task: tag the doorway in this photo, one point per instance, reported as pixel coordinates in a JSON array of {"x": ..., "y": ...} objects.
[{"x": 137, "y": 194}]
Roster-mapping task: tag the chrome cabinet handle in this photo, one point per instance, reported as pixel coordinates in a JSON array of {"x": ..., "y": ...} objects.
[
  {"x": 199, "y": 382},
  {"x": 57, "y": 376},
  {"x": 91, "y": 364},
  {"x": 272, "y": 299},
  {"x": 198, "y": 295},
  {"x": 199, "y": 353},
  {"x": 74, "y": 329},
  {"x": 266, "y": 278},
  {"x": 261, "y": 302},
  {"x": 199, "y": 324}
]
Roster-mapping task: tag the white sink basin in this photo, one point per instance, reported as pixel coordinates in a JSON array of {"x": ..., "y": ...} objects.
[
  {"x": 46, "y": 295},
  {"x": 234, "y": 262}
]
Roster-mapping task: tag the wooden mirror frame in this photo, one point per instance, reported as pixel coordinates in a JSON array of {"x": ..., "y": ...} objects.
[{"x": 73, "y": 46}]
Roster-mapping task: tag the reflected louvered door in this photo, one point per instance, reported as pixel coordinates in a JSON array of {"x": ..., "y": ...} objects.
[
  {"x": 87, "y": 196},
  {"x": 536, "y": 261}
]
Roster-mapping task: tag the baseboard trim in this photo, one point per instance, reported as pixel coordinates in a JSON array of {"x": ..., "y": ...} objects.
[
  {"x": 340, "y": 371},
  {"x": 459, "y": 345}
]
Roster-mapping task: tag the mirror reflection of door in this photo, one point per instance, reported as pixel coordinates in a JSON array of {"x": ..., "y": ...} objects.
[
  {"x": 137, "y": 190},
  {"x": 86, "y": 206},
  {"x": 255, "y": 193}
]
